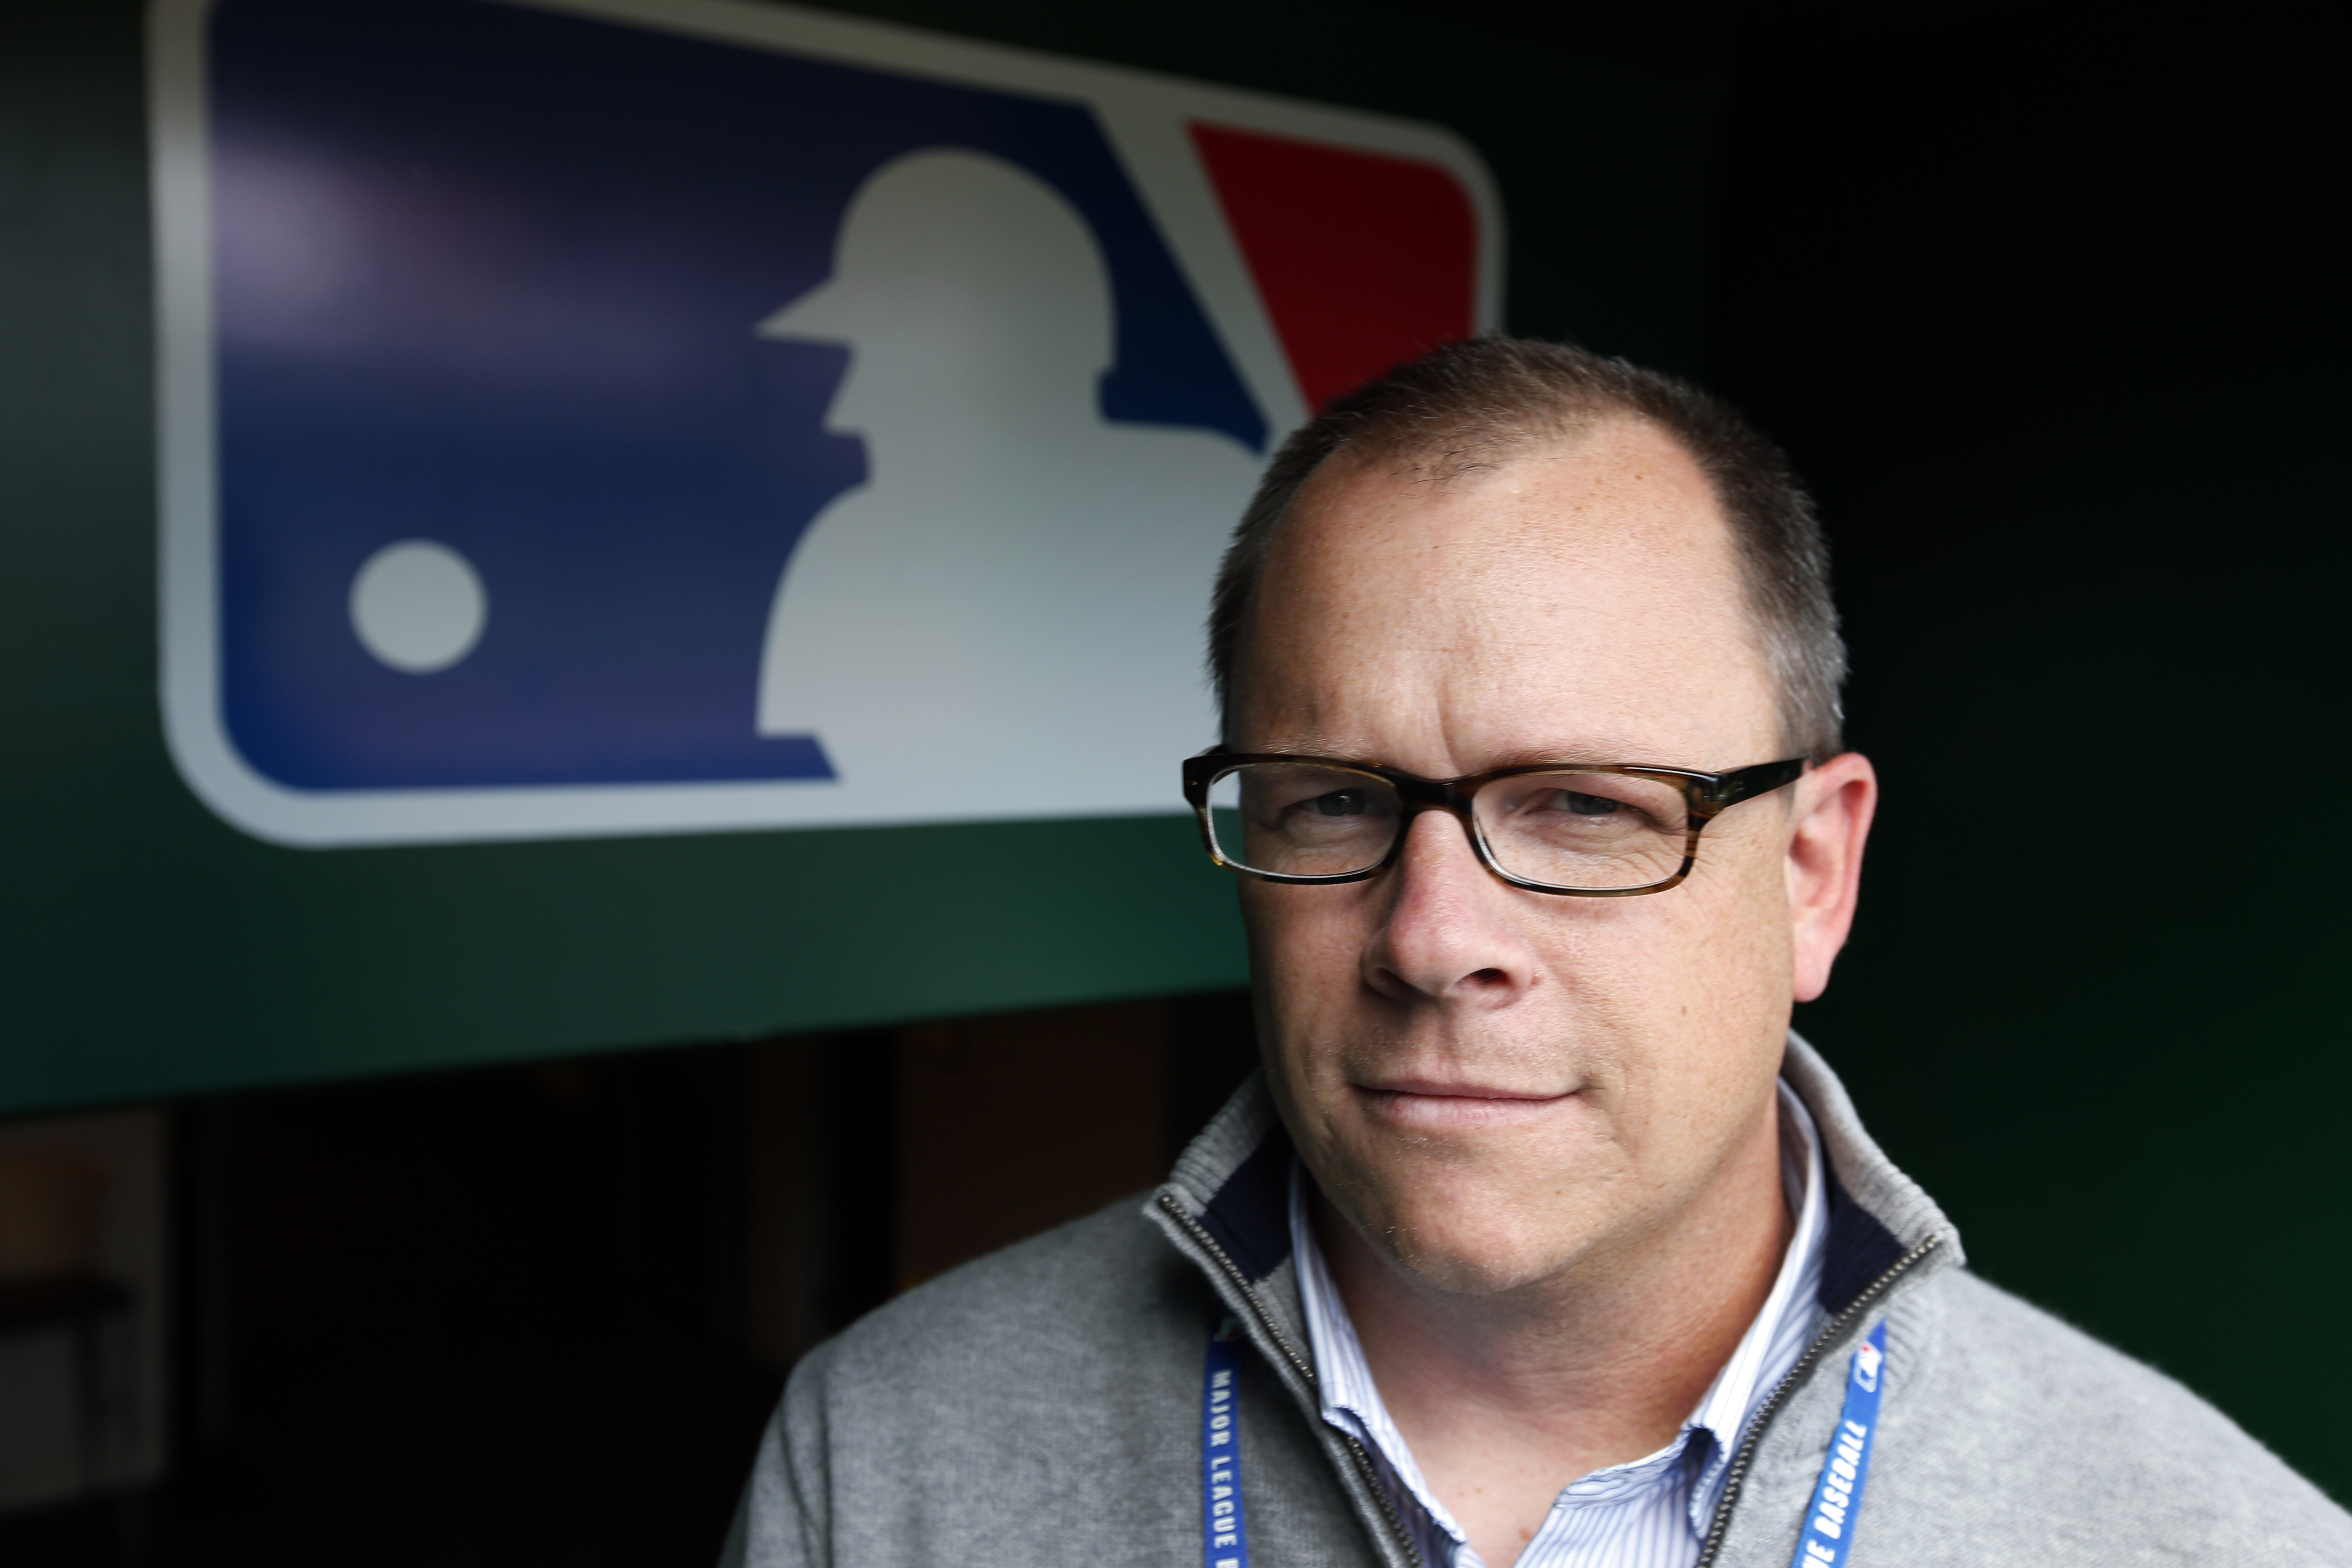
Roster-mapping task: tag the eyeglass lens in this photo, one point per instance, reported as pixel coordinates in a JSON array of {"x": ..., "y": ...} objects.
[{"x": 1565, "y": 828}]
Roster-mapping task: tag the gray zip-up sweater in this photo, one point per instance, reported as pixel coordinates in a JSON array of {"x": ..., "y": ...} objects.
[{"x": 1040, "y": 1407}]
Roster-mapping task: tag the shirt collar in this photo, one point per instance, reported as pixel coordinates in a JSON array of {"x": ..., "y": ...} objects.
[{"x": 1769, "y": 1347}]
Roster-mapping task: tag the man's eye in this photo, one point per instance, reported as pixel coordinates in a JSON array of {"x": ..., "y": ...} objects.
[
  {"x": 1587, "y": 805},
  {"x": 1340, "y": 803}
]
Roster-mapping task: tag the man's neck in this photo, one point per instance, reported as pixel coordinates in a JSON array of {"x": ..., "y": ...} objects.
[{"x": 1506, "y": 1397}]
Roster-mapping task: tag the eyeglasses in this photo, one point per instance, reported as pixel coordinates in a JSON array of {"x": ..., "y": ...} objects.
[{"x": 1551, "y": 828}]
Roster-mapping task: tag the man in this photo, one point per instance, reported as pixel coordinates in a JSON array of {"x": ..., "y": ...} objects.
[{"x": 1540, "y": 1241}]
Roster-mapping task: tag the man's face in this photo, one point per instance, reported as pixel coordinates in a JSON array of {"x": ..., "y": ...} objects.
[{"x": 1495, "y": 1085}]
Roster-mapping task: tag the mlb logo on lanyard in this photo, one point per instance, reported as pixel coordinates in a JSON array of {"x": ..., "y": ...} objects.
[{"x": 652, "y": 415}]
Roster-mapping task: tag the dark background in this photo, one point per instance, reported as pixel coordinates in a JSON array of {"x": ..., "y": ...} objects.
[{"x": 2045, "y": 302}]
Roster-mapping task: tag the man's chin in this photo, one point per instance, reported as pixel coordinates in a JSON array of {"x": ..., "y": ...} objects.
[
  {"x": 1456, "y": 1265},
  {"x": 1467, "y": 1238}
]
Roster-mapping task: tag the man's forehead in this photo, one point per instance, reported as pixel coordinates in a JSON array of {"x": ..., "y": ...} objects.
[
  {"x": 1622, "y": 481},
  {"x": 1550, "y": 605}
]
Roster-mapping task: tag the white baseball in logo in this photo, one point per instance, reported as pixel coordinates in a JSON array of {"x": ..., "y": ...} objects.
[{"x": 418, "y": 606}]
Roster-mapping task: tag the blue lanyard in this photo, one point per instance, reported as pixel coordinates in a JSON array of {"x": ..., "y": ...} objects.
[
  {"x": 1225, "y": 1536},
  {"x": 1828, "y": 1523},
  {"x": 1837, "y": 1499}
]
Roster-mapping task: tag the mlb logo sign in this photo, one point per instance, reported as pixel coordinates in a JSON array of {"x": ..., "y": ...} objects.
[{"x": 652, "y": 415}]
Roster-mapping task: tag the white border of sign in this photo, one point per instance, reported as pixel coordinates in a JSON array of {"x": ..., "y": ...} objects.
[{"x": 1143, "y": 114}]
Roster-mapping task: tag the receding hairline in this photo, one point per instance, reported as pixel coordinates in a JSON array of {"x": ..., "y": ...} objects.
[
  {"x": 1473, "y": 405},
  {"x": 1444, "y": 460},
  {"x": 1442, "y": 463}
]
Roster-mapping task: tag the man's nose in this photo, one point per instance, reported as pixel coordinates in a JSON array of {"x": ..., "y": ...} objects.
[{"x": 1452, "y": 932}]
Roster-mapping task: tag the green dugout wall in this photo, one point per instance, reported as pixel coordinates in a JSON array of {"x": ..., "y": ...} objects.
[
  {"x": 156, "y": 950},
  {"x": 2043, "y": 307}
]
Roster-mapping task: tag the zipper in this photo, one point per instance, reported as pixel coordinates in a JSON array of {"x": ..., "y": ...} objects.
[
  {"x": 1366, "y": 1472},
  {"x": 1720, "y": 1525},
  {"x": 1741, "y": 1459}
]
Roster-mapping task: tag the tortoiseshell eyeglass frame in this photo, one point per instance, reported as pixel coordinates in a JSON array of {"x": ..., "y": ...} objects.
[{"x": 1707, "y": 795}]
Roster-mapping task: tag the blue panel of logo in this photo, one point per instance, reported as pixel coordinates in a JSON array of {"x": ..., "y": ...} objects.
[{"x": 490, "y": 400}]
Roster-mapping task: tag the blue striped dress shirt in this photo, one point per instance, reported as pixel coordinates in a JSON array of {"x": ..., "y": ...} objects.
[{"x": 1650, "y": 1512}]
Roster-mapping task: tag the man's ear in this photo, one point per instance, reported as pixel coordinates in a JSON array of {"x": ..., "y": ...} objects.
[{"x": 1834, "y": 804}]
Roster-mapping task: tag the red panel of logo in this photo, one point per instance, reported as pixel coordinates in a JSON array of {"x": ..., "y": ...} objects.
[{"x": 1362, "y": 260}]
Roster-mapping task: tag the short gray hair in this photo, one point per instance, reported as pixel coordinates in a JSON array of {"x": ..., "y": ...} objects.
[{"x": 1470, "y": 402}]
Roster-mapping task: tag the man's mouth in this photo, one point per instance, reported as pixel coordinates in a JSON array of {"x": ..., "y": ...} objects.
[{"x": 1433, "y": 1105}]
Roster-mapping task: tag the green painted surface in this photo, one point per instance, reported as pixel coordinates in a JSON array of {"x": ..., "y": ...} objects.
[{"x": 152, "y": 950}]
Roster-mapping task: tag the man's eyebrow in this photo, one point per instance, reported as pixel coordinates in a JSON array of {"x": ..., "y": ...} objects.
[{"x": 1580, "y": 754}]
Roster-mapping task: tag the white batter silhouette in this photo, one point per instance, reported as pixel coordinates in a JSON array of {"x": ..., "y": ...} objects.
[{"x": 1005, "y": 618}]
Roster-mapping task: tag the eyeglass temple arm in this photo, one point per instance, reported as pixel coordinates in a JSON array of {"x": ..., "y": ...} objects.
[{"x": 1732, "y": 788}]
